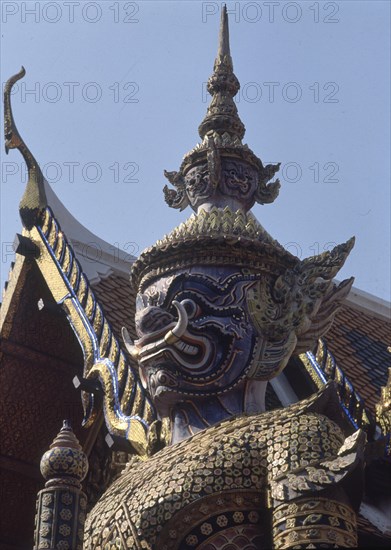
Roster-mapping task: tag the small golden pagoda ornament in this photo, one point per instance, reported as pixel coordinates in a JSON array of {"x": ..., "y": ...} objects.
[{"x": 61, "y": 505}]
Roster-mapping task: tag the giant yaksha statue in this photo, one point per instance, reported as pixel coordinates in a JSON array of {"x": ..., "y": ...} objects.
[{"x": 221, "y": 307}]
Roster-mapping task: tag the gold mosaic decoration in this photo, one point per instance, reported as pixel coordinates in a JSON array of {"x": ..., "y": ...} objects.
[
  {"x": 218, "y": 235},
  {"x": 243, "y": 455},
  {"x": 309, "y": 523}
]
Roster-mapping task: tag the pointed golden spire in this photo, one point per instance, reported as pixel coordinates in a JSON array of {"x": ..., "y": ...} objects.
[
  {"x": 210, "y": 162},
  {"x": 224, "y": 36},
  {"x": 34, "y": 197},
  {"x": 222, "y": 115}
]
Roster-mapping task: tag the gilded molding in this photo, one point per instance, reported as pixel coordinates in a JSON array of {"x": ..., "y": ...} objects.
[
  {"x": 322, "y": 367},
  {"x": 310, "y": 522},
  {"x": 104, "y": 360}
]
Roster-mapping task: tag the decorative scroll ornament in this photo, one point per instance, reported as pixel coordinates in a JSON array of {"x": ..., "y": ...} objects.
[{"x": 293, "y": 301}]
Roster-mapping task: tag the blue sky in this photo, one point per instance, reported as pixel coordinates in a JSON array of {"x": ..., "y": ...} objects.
[{"x": 115, "y": 91}]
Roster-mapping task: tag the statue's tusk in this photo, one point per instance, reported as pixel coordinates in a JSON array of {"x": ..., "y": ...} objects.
[
  {"x": 179, "y": 330},
  {"x": 172, "y": 336},
  {"x": 132, "y": 349}
]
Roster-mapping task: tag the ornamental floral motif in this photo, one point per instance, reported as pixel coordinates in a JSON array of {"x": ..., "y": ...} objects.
[
  {"x": 206, "y": 529},
  {"x": 67, "y": 498},
  {"x": 47, "y": 499},
  {"x": 191, "y": 540},
  {"x": 44, "y": 530},
  {"x": 292, "y": 508},
  {"x": 64, "y": 530},
  {"x": 65, "y": 514},
  {"x": 290, "y": 522},
  {"x": 238, "y": 517},
  {"x": 253, "y": 517},
  {"x": 334, "y": 521},
  {"x": 293, "y": 536},
  {"x": 330, "y": 506},
  {"x": 222, "y": 521}
]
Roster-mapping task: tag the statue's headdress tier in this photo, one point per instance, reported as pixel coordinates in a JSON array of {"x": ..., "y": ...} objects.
[
  {"x": 221, "y": 171},
  {"x": 222, "y": 115}
]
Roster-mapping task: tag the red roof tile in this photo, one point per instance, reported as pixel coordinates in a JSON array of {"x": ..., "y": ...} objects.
[{"x": 359, "y": 343}]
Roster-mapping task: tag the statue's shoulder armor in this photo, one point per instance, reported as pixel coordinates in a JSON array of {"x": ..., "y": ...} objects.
[{"x": 237, "y": 458}]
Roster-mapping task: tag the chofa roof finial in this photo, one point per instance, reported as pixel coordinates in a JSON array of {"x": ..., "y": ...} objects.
[{"x": 34, "y": 197}]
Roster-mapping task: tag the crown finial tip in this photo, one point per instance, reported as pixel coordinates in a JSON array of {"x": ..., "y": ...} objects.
[{"x": 224, "y": 48}]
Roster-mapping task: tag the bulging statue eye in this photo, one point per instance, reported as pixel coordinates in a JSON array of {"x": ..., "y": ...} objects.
[
  {"x": 141, "y": 301},
  {"x": 191, "y": 307}
]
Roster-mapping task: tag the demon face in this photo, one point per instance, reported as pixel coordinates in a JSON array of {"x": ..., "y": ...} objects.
[{"x": 195, "y": 337}]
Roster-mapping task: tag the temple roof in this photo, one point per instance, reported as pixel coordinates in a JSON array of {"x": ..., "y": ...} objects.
[
  {"x": 97, "y": 257},
  {"x": 359, "y": 339}
]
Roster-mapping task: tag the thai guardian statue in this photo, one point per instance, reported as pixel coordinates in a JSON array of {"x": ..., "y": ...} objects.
[{"x": 221, "y": 307}]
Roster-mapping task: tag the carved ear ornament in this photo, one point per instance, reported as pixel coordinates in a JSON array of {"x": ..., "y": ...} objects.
[
  {"x": 176, "y": 198},
  {"x": 267, "y": 192}
]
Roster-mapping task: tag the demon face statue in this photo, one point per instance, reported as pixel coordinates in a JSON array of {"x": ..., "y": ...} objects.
[
  {"x": 195, "y": 338},
  {"x": 210, "y": 336},
  {"x": 196, "y": 345}
]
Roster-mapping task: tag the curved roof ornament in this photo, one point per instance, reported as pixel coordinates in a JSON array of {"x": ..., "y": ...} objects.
[{"x": 34, "y": 200}]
